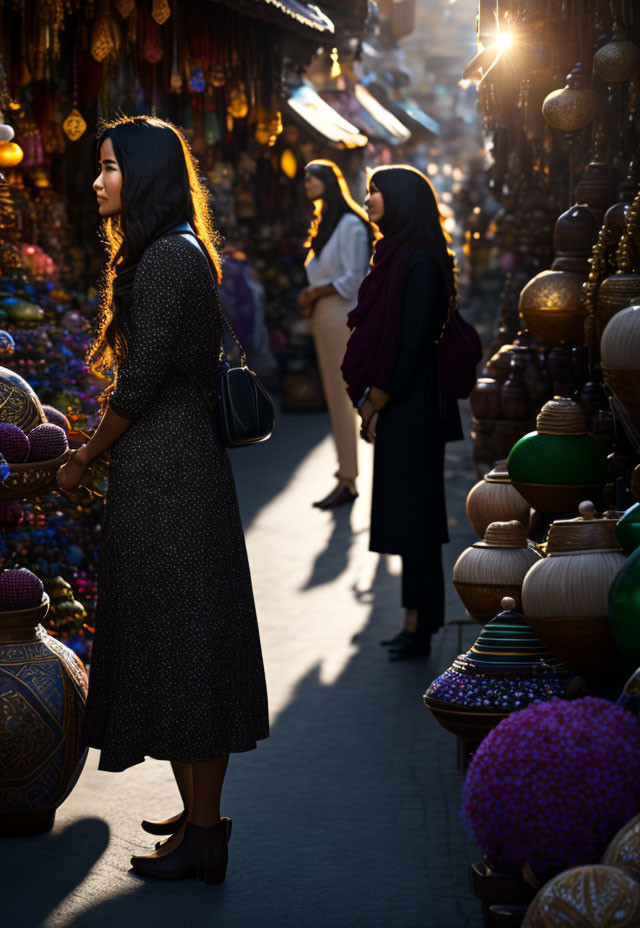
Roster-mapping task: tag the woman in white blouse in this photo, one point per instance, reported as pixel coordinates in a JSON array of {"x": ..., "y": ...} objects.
[{"x": 339, "y": 242}]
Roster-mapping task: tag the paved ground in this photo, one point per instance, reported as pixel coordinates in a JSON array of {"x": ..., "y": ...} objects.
[{"x": 348, "y": 815}]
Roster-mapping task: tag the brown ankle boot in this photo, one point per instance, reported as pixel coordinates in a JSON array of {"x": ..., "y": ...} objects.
[{"x": 202, "y": 853}]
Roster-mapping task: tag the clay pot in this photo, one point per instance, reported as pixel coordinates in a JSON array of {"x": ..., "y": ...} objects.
[
  {"x": 552, "y": 307},
  {"x": 493, "y": 568},
  {"x": 514, "y": 396},
  {"x": 484, "y": 399},
  {"x": 494, "y": 499},
  {"x": 558, "y": 465},
  {"x": 597, "y": 186},
  {"x": 43, "y": 687},
  {"x": 575, "y": 234},
  {"x": 620, "y": 352},
  {"x": 565, "y": 595},
  {"x": 499, "y": 364}
]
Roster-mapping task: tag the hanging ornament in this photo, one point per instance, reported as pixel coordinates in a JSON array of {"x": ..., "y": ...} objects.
[
  {"x": 74, "y": 125},
  {"x": 125, "y": 7},
  {"x": 105, "y": 36},
  {"x": 573, "y": 107},
  {"x": 196, "y": 80},
  {"x": 175, "y": 81},
  {"x": 160, "y": 11},
  {"x": 152, "y": 45},
  {"x": 618, "y": 60},
  {"x": 6, "y": 133},
  {"x": 288, "y": 163},
  {"x": 217, "y": 75},
  {"x": 238, "y": 101},
  {"x": 336, "y": 70},
  {"x": 10, "y": 154}
]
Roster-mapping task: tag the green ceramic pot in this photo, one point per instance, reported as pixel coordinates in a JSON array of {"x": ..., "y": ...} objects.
[
  {"x": 558, "y": 459},
  {"x": 624, "y": 609},
  {"x": 628, "y": 530}
]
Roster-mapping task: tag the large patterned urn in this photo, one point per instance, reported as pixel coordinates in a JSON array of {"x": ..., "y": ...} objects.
[
  {"x": 19, "y": 404},
  {"x": 43, "y": 688}
]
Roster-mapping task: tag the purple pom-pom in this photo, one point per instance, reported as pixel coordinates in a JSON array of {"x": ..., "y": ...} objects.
[
  {"x": 14, "y": 444},
  {"x": 48, "y": 441},
  {"x": 57, "y": 418},
  {"x": 19, "y": 589}
]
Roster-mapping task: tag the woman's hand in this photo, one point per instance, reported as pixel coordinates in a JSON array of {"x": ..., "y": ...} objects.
[
  {"x": 71, "y": 474},
  {"x": 306, "y": 301},
  {"x": 369, "y": 416}
]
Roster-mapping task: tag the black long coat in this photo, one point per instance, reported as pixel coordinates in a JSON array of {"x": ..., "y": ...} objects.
[{"x": 408, "y": 510}]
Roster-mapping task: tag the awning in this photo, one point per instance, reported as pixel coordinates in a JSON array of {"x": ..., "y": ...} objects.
[
  {"x": 351, "y": 109},
  {"x": 319, "y": 118},
  {"x": 305, "y": 18},
  {"x": 382, "y": 115},
  {"x": 407, "y": 110}
]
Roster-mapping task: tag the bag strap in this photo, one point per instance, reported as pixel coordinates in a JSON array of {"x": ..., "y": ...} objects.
[{"x": 186, "y": 230}]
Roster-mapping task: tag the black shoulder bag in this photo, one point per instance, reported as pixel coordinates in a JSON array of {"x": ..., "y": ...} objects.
[{"x": 243, "y": 407}]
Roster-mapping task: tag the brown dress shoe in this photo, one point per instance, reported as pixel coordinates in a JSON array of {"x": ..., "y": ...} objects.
[{"x": 202, "y": 853}]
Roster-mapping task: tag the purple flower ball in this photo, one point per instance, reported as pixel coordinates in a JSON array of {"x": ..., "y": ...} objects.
[
  {"x": 552, "y": 784},
  {"x": 14, "y": 444},
  {"x": 57, "y": 418},
  {"x": 48, "y": 441},
  {"x": 19, "y": 589}
]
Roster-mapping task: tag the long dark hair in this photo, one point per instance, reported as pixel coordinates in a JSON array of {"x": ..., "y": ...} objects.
[
  {"x": 329, "y": 210},
  {"x": 160, "y": 190},
  {"x": 411, "y": 213}
]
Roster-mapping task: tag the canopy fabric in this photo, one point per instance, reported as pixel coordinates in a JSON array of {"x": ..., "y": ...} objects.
[
  {"x": 296, "y": 15},
  {"x": 399, "y": 132},
  {"x": 316, "y": 115},
  {"x": 406, "y": 110}
]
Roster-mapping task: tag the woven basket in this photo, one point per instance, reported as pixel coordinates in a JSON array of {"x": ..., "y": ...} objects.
[
  {"x": 32, "y": 479},
  {"x": 558, "y": 498},
  {"x": 484, "y": 601}
]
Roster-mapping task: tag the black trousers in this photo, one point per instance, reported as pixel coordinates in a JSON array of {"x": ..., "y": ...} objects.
[{"x": 423, "y": 588}]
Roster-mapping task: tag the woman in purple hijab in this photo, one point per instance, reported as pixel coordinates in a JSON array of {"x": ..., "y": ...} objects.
[{"x": 391, "y": 371}]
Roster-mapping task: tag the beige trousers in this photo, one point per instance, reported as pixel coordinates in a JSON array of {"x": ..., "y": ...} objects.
[{"x": 330, "y": 333}]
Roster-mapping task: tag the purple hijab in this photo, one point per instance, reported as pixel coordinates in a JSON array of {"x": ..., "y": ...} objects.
[{"x": 411, "y": 220}]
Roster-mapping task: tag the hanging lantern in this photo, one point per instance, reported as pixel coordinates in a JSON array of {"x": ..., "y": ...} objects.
[
  {"x": 573, "y": 107},
  {"x": 160, "y": 11},
  {"x": 74, "y": 125},
  {"x": 6, "y": 133},
  {"x": 238, "y": 101},
  {"x": 288, "y": 163},
  {"x": 336, "y": 70},
  {"x": 618, "y": 60},
  {"x": 10, "y": 154}
]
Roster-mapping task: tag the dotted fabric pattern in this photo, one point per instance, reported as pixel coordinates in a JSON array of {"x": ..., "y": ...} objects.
[
  {"x": 176, "y": 670},
  {"x": 557, "y": 459}
]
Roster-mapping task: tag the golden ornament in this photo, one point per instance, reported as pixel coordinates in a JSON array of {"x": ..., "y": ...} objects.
[
  {"x": 617, "y": 61},
  {"x": 571, "y": 108},
  {"x": 160, "y": 11},
  {"x": 105, "y": 37},
  {"x": 10, "y": 154},
  {"x": 74, "y": 125},
  {"x": 125, "y": 7}
]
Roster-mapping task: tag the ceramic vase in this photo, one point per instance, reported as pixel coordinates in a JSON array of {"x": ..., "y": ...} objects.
[
  {"x": 624, "y": 609},
  {"x": 493, "y": 568},
  {"x": 43, "y": 688},
  {"x": 565, "y": 595},
  {"x": 506, "y": 669},
  {"x": 620, "y": 352},
  {"x": 596, "y": 895},
  {"x": 558, "y": 465},
  {"x": 494, "y": 499},
  {"x": 628, "y": 530}
]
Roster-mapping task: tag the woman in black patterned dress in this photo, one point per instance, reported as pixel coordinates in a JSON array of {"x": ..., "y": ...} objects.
[{"x": 176, "y": 671}]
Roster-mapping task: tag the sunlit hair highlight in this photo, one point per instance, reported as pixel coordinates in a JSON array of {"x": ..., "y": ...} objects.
[
  {"x": 152, "y": 204},
  {"x": 324, "y": 209}
]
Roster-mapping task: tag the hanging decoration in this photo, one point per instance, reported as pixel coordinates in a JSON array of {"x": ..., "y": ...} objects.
[
  {"x": 160, "y": 11},
  {"x": 74, "y": 125}
]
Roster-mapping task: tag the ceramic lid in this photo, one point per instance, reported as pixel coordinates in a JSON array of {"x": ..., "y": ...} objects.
[
  {"x": 585, "y": 533},
  {"x": 506, "y": 644},
  {"x": 561, "y": 416},
  {"x": 498, "y": 474},
  {"x": 504, "y": 535}
]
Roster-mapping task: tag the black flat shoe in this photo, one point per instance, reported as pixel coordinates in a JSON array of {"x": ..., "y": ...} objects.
[
  {"x": 414, "y": 646},
  {"x": 168, "y": 827},
  {"x": 338, "y": 497},
  {"x": 397, "y": 639},
  {"x": 202, "y": 853}
]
